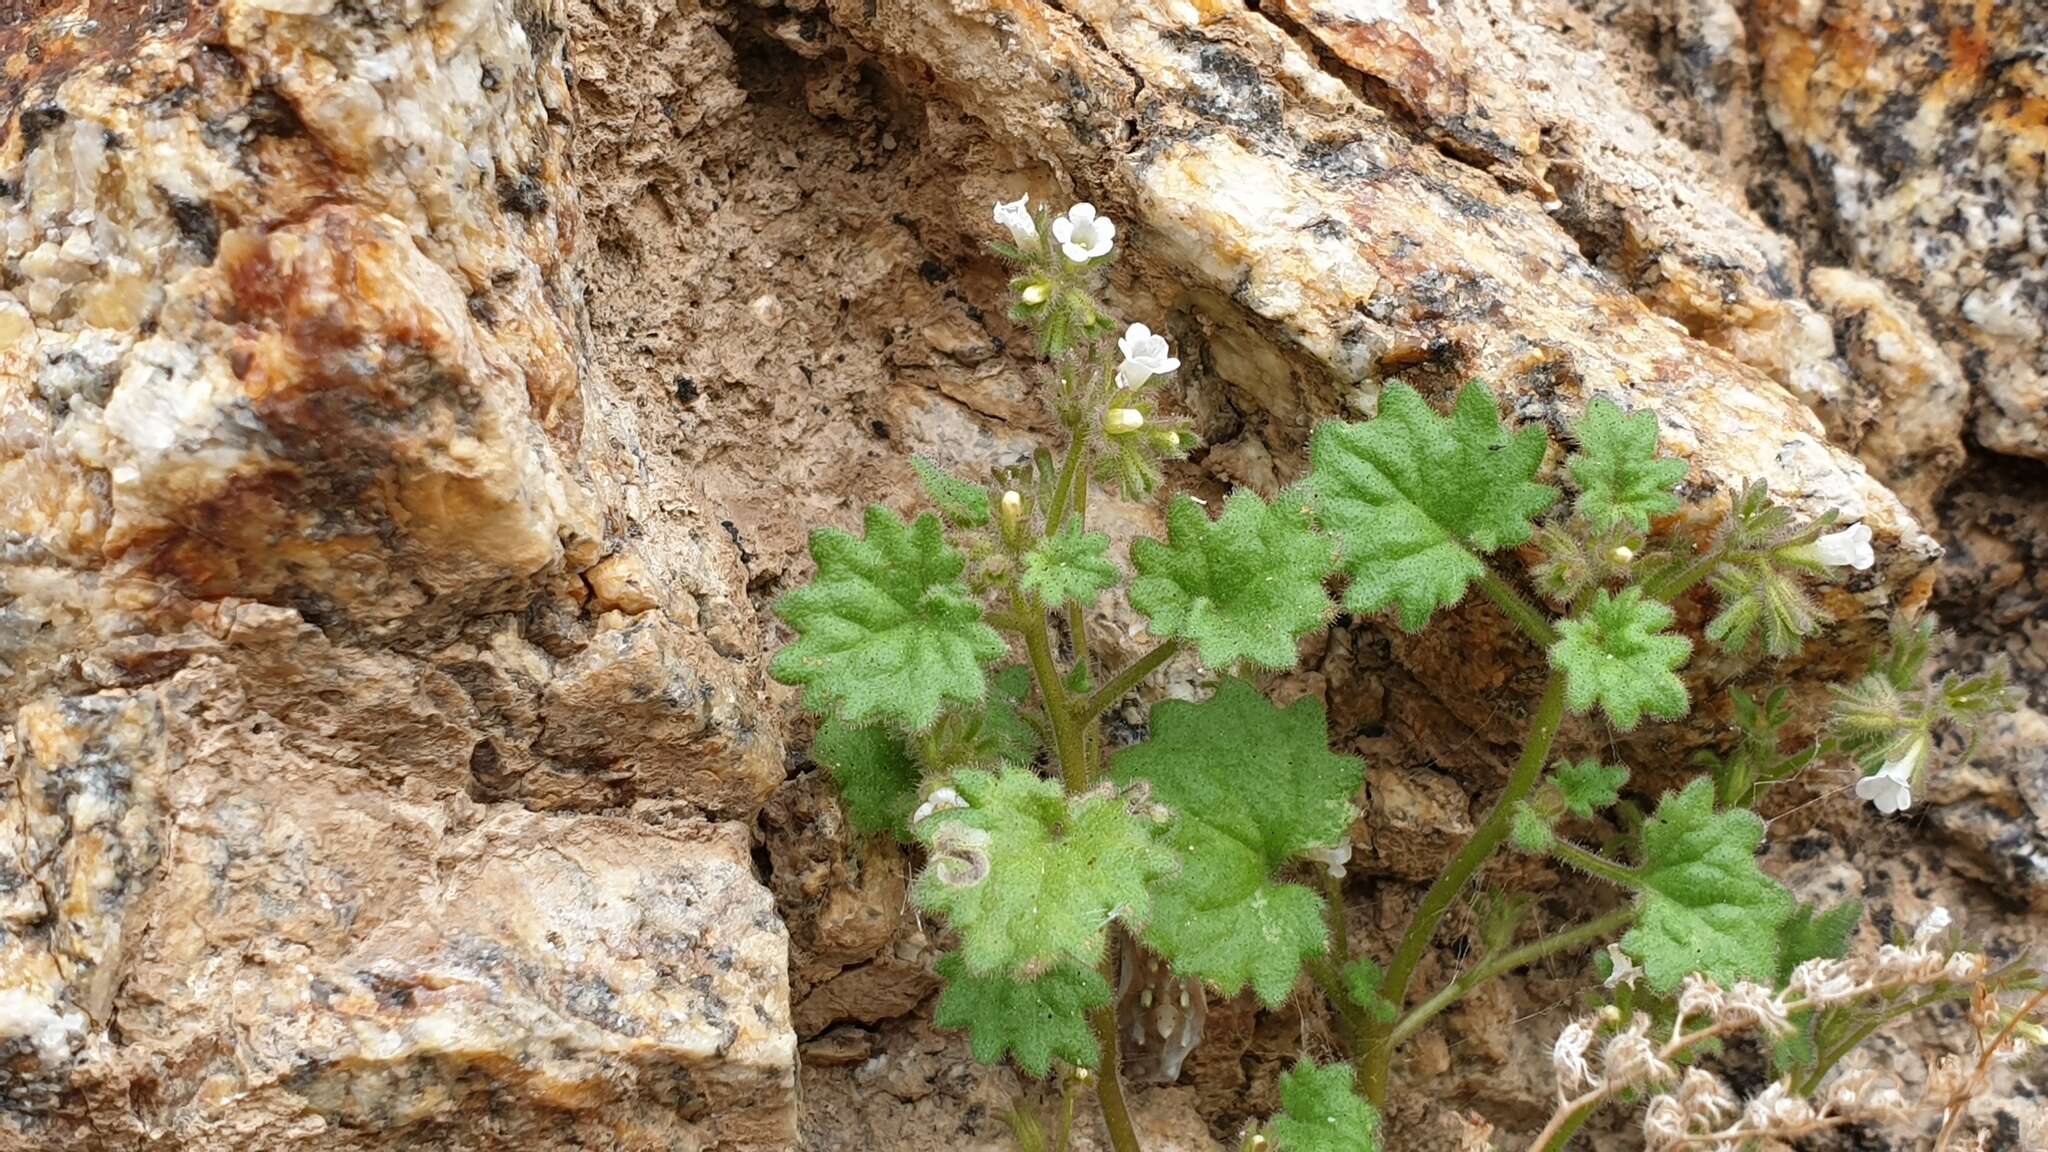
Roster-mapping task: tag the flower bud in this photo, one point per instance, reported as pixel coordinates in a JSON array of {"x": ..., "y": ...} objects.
[
  {"x": 1011, "y": 511},
  {"x": 1621, "y": 555},
  {"x": 1122, "y": 421},
  {"x": 1037, "y": 293}
]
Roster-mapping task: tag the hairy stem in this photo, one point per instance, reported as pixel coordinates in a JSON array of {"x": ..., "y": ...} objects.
[
  {"x": 1678, "y": 581},
  {"x": 1109, "y": 1084},
  {"x": 1068, "y": 746},
  {"x": 1062, "y": 493},
  {"x": 1372, "y": 1075},
  {"x": 1077, "y": 612},
  {"x": 1588, "y": 933},
  {"x": 1333, "y": 912},
  {"x": 1516, "y": 607},
  {"x": 1128, "y": 678},
  {"x": 1351, "y": 1023},
  {"x": 1593, "y": 865}
]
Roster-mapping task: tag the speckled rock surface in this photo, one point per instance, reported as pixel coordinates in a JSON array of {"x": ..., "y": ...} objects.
[
  {"x": 409, "y": 410},
  {"x": 329, "y": 624},
  {"x": 1923, "y": 131}
]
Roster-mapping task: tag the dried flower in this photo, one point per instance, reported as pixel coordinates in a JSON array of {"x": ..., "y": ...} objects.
[
  {"x": 1850, "y": 546},
  {"x": 1568, "y": 1058},
  {"x": 1630, "y": 1058},
  {"x": 1082, "y": 234},
  {"x": 1145, "y": 356},
  {"x": 1016, "y": 216}
]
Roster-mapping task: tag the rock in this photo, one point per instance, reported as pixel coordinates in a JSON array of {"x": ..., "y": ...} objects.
[
  {"x": 1919, "y": 130},
  {"x": 321, "y": 565},
  {"x": 259, "y": 958},
  {"x": 1912, "y": 401}
]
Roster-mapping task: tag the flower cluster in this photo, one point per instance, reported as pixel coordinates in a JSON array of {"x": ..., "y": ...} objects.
[{"x": 1696, "y": 1108}]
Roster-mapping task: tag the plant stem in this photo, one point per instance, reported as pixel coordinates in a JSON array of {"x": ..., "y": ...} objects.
[
  {"x": 1068, "y": 746},
  {"x": 1593, "y": 865},
  {"x": 1561, "y": 1133},
  {"x": 1679, "y": 581},
  {"x": 1077, "y": 612},
  {"x": 1587, "y": 933},
  {"x": 1128, "y": 678},
  {"x": 1516, "y": 607},
  {"x": 1351, "y": 1024},
  {"x": 1374, "y": 1063},
  {"x": 1077, "y": 445},
  {"x": 1333, "y": 912},
  {"x": 1109, "y": 1084}
]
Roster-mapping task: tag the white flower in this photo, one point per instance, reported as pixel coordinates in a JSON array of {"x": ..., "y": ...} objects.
[
  {"x": 1890, "y": 788},
  {"x": 1333, "y": 858},
  {"x": 1016, "y": 216},
  {"x": 1082, "y": 234},
  {"x": 1630, "y": 1058},
  {"x": 1625, "y": 970},
  {"x": 941, "y": 800},
  {"x": 1935, "y": 924},
  {"x": 1822, "y": 980},
  {"x": 1850, "y": 546},
  {"x": 1887, "y": 789},
  {"x": 1145, "y": 356}
]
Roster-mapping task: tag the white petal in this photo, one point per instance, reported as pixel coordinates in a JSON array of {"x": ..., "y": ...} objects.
[
  {"x": 1081, "y": 213},
  {"x": 1075, "y": 252},
  {"x": 1850, "y": 546},
  {"x": 1063, "y": 229}
]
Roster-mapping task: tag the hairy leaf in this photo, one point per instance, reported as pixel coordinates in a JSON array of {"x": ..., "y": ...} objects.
[
  {"x": 1363, "y": 979},
  {"x": 1320, "y": 1113},
  {"x": 1810, "y": 934},
  {"x": 886, "y": 630},
  {"x": 1251, "y": 786},
  {"x": 1617, "y": 655},
  {"x": 1618, "y": 472},
  {"x": 1588, "y": 786},
  {"x": 1030, "y": 877},
  {"x": 1415, "y": 499},
  {"x": 1762, "y": 603},
  {"x": 1705, "y": 905},
  {"x": 1034, "y": 1022},
  {"x": 1069, "y": 567},
  {"x": 876, "y": 774},
  {"x": 993, "y": 734},
  {"x": 1241, "y": 587},
  {"x": 962, "y": 504}
]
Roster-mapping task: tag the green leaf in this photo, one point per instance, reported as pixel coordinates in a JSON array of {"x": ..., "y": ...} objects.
[
  {"x": 876, "y": 774},
  {"x": 1251, "y": 786},
  {"x": 1034, "y": 1022},
  {"x": 1617, "y": 655},
  {"x": 1030, "y": 877},
  {"x": 1528, "y": 831},
  {"x": 1760, "y": 602},
  {"x": 1242, "y": 587},
  {"x": 1415, "y": 499},
  {"x": 994, "y": 734},
  {"x": 1320, "y": 1113},
  {"x": 964, "y": 505},
  {"x": 1705, "y": 905},
  {"x": 1588, "y": 786},
  {"x": 1619, "y": 475},
  {"x": 1363, "y": 979},
  {"x": 886, "y": 629},
  {"x": 1069, "y": 567},
  {"x": 1808, "y": 934}
]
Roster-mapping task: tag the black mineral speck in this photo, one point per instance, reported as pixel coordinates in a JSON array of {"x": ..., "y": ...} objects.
[
  {"x": 686, "y": 390},
  {"x": 36, "y": 122},
  {"x": 199, "y": 224},
  {"x": 522, "y": 194}
]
